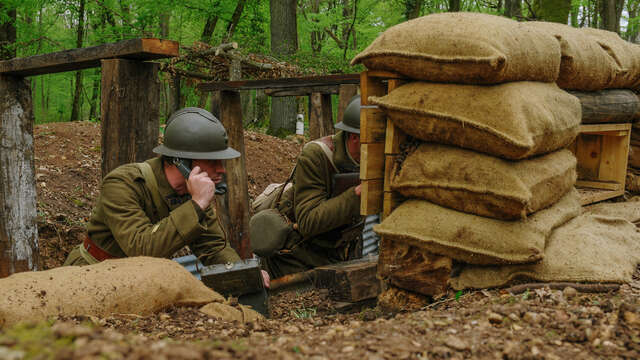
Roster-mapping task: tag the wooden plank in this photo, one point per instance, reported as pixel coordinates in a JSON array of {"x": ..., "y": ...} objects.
[
  {"x": 588, "y": 151},
  {"x": 394, "y": 139},
  {"x": 590, "y": 128},
  {"x": 77, "y": 59},
  {"x": 614, "y": 157},
  {"x": 372, "y": 161},
  {"x": 370, "y": 87},
  {"x": 389, "y": 168},
  {"x": 320, "y": 115},
  {"x": 18, "y": 225},
  {"x": 350, "y": 281},
  {"x": 231, "y": 117},
  {"x": 373, "y": 124},
  {"x": 281, "y": 83},
  {"x": 384, "y": 74},
  {"x": 391, "y": 200},
  {"x": 599, "y": 185},
  {"x": 345, "y": 94},
  {"x": 130, "y": 112},
  {"x": 303, "y": 91},
  {"x": 607, "y": 106},
  {"x": 590, "y": 196},
  {"x": 412, "y": 268},
  {"x": 371, "y": 197},
  {"x": 610, "y": 133}
]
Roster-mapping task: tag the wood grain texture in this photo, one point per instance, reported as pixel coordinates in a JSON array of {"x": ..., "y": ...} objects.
[
  {"x": 320, "y": 115},
  {"x": 350, "y": 281},
  {"x": 607, "y": 106}
]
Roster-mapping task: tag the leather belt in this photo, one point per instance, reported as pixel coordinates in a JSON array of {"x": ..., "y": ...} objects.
[{"x": 96, "y": 251}]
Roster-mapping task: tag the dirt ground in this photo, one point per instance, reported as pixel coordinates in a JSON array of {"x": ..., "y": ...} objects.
[{"x": 538, "y": 324}]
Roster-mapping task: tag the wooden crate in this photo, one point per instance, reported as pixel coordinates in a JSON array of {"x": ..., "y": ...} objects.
[{"x": 602, "y": 151}]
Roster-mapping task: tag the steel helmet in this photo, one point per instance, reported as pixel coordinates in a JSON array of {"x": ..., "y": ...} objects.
[
  {"x": 351, "y": 118},
  {"x": 194, "y": 133}
]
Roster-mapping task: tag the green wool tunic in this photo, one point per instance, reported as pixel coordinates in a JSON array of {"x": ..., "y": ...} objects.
[
  {"x": 125, "y": 221},
  {"x": 321, "y": 218}
]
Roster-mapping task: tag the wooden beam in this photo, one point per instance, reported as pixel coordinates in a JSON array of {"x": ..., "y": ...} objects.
[
  {"x": 599, "y": 185},
  {"x": 18, "y": 230},
  {"x": 373, "y": 123},
  {"x": 302, "y": 91},
  {"x": 372, "y": 161},
  {"x": 231, "y": 117},
  {"x": 281, "y": 83},
  {"x": 320, "y": 115},
  {"x": 371, "y": 197},
  {"x": 595, "y": 128},
  {"x": 350, "y": 281},
  {"x": 130, "y": 112},
  {"x": 391, "y": 200},
  {"x": 590, "y": 196},
  {"x": 77, "y": 59}
]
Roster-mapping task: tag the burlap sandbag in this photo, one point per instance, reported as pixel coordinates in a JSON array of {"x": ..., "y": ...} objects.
[
  {"x": 626, "y": 55},
  {"x": 484, "y": 185},
  {"x": 227, "y": 312},
  {"x": 136, "y": 285},
  {"x": 628, "y": 210},
  {"x": 585, "y": 64},
  {"x": 634, "y": 154},
  {"x": 513, "y": 121},
  {"x": 476, "y": 239},
  {"x": 632, "y": 182},
  {"x": 467, "y": 48},
  {"x": 590, "y": 248}
]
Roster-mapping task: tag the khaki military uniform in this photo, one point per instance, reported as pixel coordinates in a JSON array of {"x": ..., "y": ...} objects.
[
  {"x": 125, "y": 221},
  {"x": 321, "y": 219}
]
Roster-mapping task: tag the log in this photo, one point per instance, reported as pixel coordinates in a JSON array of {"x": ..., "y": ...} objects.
[
  {"x": 350, "y": 281},
  {"x": 414, "y": 269},
  {"x": 18, "y": 230},
  {"x": 302, "y": 91},
  {"x": 320, "y": 115},
  {"x": 231, "y": 117},
  {"x": 129, "y": 112},
  {"x": 78, "y": 59},
  {"x": 608, "y": 106},
  {"x": 281, "y": 83}
]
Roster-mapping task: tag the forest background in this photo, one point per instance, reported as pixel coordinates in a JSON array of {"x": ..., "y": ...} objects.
[{"x": 307, "y": 37}]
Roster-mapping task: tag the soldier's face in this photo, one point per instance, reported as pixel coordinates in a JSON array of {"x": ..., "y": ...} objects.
[{"x": 213, "y": 168}]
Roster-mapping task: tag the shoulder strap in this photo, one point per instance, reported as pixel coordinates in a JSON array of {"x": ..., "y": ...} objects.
[
  {"x": 326, "y": 144},
  {"x": 152, "y": 185}
]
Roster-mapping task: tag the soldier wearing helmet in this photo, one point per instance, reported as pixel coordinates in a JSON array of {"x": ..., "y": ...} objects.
[
  {"x": 156, "y": 207},
  {"x": 321, "y": 218}
]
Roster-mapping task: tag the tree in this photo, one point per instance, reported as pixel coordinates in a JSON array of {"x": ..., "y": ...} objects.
[
  {"x": 513, "y": 8},
  {"x": 610, "y": 11},
  {"x": 284, "y": 42},
  {"x": 454, "y": 5},
  {"x": 7, "y": 31},
  {"x": 77, "y": 94},
  {"x": 413, "y": 8},
  {"x": 552, "y": 10}
]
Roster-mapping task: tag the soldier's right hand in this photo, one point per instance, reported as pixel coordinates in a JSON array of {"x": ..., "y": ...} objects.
[
  {"x": 358, "y": 189},
  {"x": 201, "y": 187}
]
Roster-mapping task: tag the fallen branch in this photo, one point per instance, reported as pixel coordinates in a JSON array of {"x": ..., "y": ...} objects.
[{"x": 584, "y": 288}]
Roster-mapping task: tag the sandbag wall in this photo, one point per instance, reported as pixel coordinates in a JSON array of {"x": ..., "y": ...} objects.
[
  {"x": 633, "y": 171},
  {"x": 489, "y": 179}
]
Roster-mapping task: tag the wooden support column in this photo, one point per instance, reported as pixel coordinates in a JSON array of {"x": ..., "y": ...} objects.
[
  {"x": 345, "y": 93},
  {"x": 231, "y": 117},
  {"x": 18, "y": 230},
  {"x": 320, "y": 115},
  {"x": 129, "y": 112}
]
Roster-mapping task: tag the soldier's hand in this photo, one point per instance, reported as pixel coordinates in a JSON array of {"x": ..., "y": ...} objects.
[
  {"x": 358, "y": 189},
  {"x": 265, "y": 279},
  {"x": 201, "y": 187}
]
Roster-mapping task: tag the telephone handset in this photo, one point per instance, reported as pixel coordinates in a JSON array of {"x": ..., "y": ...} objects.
[{"x": 184, "y": 166}]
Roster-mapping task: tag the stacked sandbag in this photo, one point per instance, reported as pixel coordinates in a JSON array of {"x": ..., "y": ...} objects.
[
  {"x": 490, "y": 179},
  {"x": 135, "y": 285}
]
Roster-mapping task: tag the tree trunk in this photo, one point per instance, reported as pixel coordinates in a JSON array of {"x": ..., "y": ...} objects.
[
  {"x": 77, "y": 94},
  {"x": 284, "y": 41},
  {"x": 18, "y": 230},
  {"x": 608, "y": 15},
  {"x": 552, "y": 10},
  {"x": 316, "y": 36},
  {"x": 8, "y": 35},
  {"x": 93, "y": 111},
  {"x": 413, "y": 8},
  {"x": 164, "y": 25},
  {"x": 513, "y": 8},
  {"x": 632, "y": 27},
  {"x": 346, "y": 93},
  {"x": 235, "y": 18},
  {"x": 320, "y": 115},
  {"x": 207, "y": 33},
  {"x": 454, "y": 5},
  {"x": 262, "y": 107}
]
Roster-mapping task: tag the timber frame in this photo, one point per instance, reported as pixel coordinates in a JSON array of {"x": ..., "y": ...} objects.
[
  {"x": 129, "y": 118},
  {"x": 317, "y": 88}
]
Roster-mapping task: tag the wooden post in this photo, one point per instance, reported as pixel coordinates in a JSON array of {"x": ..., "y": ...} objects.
[
  {"x": 231, "y": 117},
  {"x": 346, "y": 92},
  {"x": 320, "y": 115},
  {"x": 18, "y": 230},
  {"x": 129, "y": 112}
]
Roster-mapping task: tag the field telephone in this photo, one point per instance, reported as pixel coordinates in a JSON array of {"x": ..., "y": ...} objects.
[{"x": 184, "y": 166}]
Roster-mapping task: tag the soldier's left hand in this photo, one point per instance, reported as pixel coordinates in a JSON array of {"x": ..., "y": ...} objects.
[{"x": 265, "y": 279}]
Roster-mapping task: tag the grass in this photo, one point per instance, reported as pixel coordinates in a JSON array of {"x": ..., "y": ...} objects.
[{"x": 304, "y": 313}]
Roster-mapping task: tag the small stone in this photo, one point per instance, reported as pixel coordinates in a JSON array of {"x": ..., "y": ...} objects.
[
  {"x": 495, "y": 318},
  {"x": 292, "y": 329},
  {"x": 516, "y": 327},
  {"x": 531, "y": 318},
  {"x": 9, "y": 354},
  {"x": 514, "y": 317},
  {"x": 631, "y": 318},
  {"x": 607, "y": 343},
  {"x": 347, "y": 349},
  {"x": 164, "y": 317},
  {"x": 569, "y": 292},
  {"x": 456, "y": 343},
  {"x": 596, "y": 342},
  {"x": 535, "y": 351}
]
